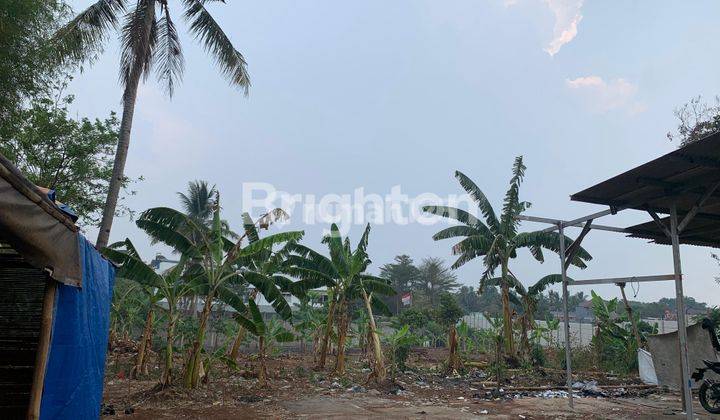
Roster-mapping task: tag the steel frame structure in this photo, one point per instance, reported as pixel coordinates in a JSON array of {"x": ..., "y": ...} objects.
[{"x": 567, "y": 254}]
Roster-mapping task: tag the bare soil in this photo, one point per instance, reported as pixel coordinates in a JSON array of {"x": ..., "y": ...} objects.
[{"x": 296, "y": 391}]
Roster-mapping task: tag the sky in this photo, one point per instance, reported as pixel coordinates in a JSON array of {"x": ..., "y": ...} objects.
[{"x": 378, "y": 94}]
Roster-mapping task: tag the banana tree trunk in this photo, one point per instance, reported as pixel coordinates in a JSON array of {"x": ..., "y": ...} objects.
[
  {"x": 194, "y": 362},
  {"x": 342, "y": 336},
  {"x": 629, "y": 311},
  {"x": 453, "y": 364},
  {"x": 326, "y": 337},
  {"x": 262, "y": 370},
  {"x": 118, "y": 173},
  {"x": 167, "y": 377},
  {"x": 239, "y": 338},
  {"x": 524, "y": 342},
  {"x": 379, "y": 366},
  {"x": 507, "y": 316},
  {"x": 140, "y": 363}
]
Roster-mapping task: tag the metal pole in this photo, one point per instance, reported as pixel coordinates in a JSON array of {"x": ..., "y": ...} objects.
[
  {"x": 568, "y": 368},
  {"x": 680, "y": 305}
]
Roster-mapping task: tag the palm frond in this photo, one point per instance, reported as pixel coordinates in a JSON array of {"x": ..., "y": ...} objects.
[
  {"x": 207, "y": 31},
  {"x": 168, "y": 57},
  {"x": 82, "y": 38},
  {"x": 138, "y": 40}
]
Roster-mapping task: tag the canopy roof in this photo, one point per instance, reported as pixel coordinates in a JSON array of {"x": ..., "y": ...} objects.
[
  {"x": 701, "y": 231},
  {"x": 36, "y": 228},
  {"x": 681, "y": 177},
  {"x": 688, "y": 177}
]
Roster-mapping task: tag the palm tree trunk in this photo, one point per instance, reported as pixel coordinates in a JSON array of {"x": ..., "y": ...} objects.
[
  {"x": 192, "y": 369},
  {"x": 166, "y": 379},
  {"x": 118, "y": 174},
  {"x": 507, "y": 317},
  {"x": 342, "y": 336},
  {"x": 326, "y": 337},
  {"x": 379, "y": 365},
  {"x": 628, "y": 309},
  {"x": 142, "y": 349}
]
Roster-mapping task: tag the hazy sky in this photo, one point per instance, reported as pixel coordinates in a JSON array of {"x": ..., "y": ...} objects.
[{"x": 377, "y": 94}]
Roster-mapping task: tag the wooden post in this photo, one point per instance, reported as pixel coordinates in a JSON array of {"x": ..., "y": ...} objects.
[{"x": 41, "y": 357}]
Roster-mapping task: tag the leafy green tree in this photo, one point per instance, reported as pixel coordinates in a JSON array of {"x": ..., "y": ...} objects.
[
  {"x": 149, "y": 39},
  {"x": 497, "y": 240},
  {"x": 696, "y": 119},
  {"x": 62, "y": 153},
  {"x": 468, "y": 299},
  {"x": 402, "y": 275},
  {"x": 27, "y": 66}
]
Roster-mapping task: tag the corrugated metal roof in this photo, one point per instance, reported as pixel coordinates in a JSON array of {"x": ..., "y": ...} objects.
[
  {"x": 680, "y": 177},
  {"x": 702, "y": 230}
]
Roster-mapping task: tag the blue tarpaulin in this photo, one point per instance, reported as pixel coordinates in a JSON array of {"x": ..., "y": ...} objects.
[{"x": 76, "y": 361}]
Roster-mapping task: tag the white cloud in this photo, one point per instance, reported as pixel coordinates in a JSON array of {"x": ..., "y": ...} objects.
[
  {"x": 567, "y": 17},
  {"x": 602, "y": 96}
]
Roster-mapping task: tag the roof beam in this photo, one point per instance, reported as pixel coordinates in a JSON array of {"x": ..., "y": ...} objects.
[
  {"x": 618, "y": 280},
  {"x": 693, "y": 211},
  {"x": 556, "y": 221},
  {"x": 659, "y": 222}
]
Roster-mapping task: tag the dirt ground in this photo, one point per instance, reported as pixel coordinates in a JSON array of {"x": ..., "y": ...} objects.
[{"x": 296, "y": 391}]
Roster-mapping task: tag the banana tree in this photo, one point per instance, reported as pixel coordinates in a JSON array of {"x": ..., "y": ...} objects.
[
  {"x": 261, "y": 270},
  {"x": 251, "y": 320},
  {"x": 152, "y": 296},
  {"x": 497, "y": 240},
  {"x": 169, "y": 286},
  {"x": 527, "y": 299},
  {"x": 214, "y": 263},
  {"x": 344, "y": 275},
  {"x": 125, "y": 308}
]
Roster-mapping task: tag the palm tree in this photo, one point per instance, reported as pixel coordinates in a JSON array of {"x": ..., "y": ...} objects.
[
  {"x": 171, "y": 286},
  {"x": 198, "y": 202},
  {"x": 435, "y": 279},
  {"x": 148, "y": 39},
  {"x": 344, "y": 274},
  {"x": 215, "y": 262},
  {"x": 497, "y": 240}
]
